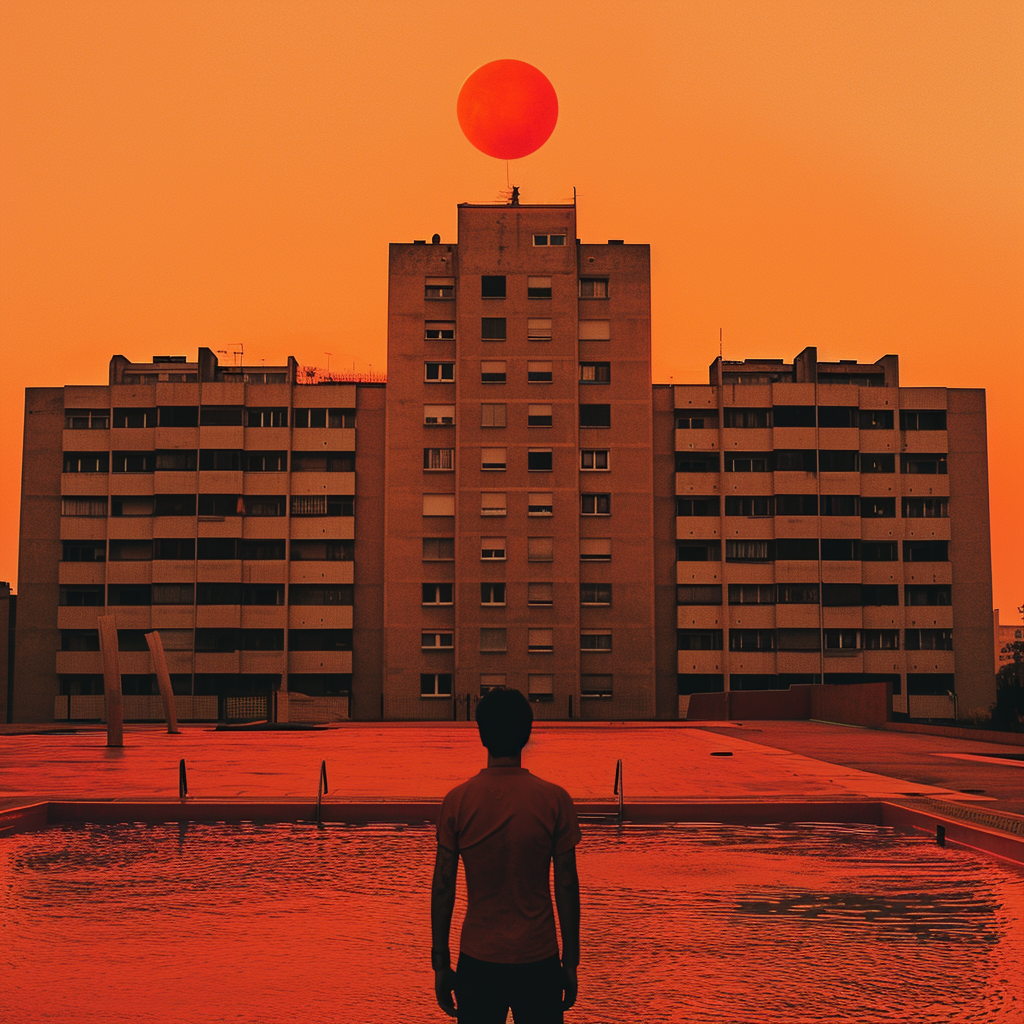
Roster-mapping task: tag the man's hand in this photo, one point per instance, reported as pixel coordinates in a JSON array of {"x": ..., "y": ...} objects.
[
  {"x": 569, "y": 987},
  {"x": 444, "y": 983}
]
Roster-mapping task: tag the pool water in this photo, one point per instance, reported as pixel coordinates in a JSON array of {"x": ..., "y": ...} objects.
[{"x": 687, "y": 923}]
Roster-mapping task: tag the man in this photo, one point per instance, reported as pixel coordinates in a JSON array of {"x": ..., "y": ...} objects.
[{"x": 508, "y": 826}]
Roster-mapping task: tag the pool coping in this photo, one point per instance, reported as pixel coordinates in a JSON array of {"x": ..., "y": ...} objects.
[{"x": 994, "y": 835}]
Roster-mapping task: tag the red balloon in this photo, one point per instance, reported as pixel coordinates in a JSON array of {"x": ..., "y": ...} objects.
[{"x": 507, "y": 109}]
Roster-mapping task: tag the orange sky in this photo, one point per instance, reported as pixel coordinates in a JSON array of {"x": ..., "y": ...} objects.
[{"x": 846, "y": 175}]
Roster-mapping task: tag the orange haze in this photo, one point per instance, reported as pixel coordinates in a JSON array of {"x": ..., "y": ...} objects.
[{"x": 177, "y": 174}]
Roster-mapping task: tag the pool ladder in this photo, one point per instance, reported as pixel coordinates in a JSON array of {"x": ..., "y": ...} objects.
[
  {"x": 619, "y": 787},
  {"x": 618, "y": 816},
  {"x": 321, "y": 792}
]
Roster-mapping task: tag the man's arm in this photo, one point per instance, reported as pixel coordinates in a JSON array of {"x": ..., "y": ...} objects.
[
  {"x": 567, "y": 899},
  {"x": 442, "y": 904}
]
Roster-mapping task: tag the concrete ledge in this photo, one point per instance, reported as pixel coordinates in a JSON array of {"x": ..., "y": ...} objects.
[
  {"x": 26, "y": 818},
  {"x": 1013, "y": 739}
]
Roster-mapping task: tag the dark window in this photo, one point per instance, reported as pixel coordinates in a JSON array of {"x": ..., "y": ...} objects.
[
  {"x": 130, "y": 551},
  {"x": 265, "y": 505},
  {"x": 275, "y": 417},
  {"x": 178, "y": 415},
  {"x": 595, "y": 415},
  {"x": 595, "y": 373},
  {"x": 877, "y": 462},
  {"x": 595, "y": 504},
  {"x": 881, "y": 639},
  {"x": 220, "y": 416},
  {"x": 698, "y": 506},
  {"x": 220, "y": 459},
  {"x": 797, "y": 549},
  {"x": 174, "y": 593},
  {"x": 840, "y": 550},
  {"x": 923, "y": 464},
  {"x": 926, "y": 508},
  {"x": 435, "y": 684},
  {"x": 220, "y": 505},
  {"x": 797, "y": 593},
  {"x": 177, "y": 460},
  {"x": 876, "y": 419},
  {"x": 320, "y": 684},
  {"x": 749, "y": 550},
  {"x": 129, "y": 594},
  {"x": 84, "y": 551},
  {"x": 320, "y": 593},
  {"x": 216, "y": 548},
  {"x": 439, "y": 289},
  {"x": 320, "y": 639},
  {"x": 922, "y": 419},
  {"x": 180, "y": 548},
  {"x": 699, "y": 682},
  {"x": 751, "y": 593},
  {"x": 697, "y": 421},
  {"x": 929, "y": 640},
  {"x": 928, "y": 594},
  {"x": 492, "y": 593},
  {"x": 840, "y": 505},
  {"x": 796, "y": 505},
  {"x": 696, "y": 462},
  {"x": 86, "y": 419},
  {"x": 79, "y": 640},
  {"x": 539, "y": 373},
  {"x": 90, "y": 596},
  {"x": 878, "y": 508},
  {"x": 595, "y": 593},
  {"x": 131, "y": 640},
  {"x": 492, "y": 328},
  {"x": 753, "y": 506},
  {"x": 595, "y": 641},
  {"x": 218, "y": 640},
  {"x": 878, "y": 595},
  {"x": 438, "y": 549},
  {"x": 134, "y": 418},
  {"x": 132, "y": 462},
  {"x": 261, "y": 639},
  {"x": 926, "y": 551},
  {"x": 931, "y": 684},
  {"x": 539, "y": 459},
  {"x": 338, "y": 419},
  {"x": 538, "y": 287},
  {"x": 793, "y": 416},
  {"x": 687, "y": 593},
  {"x": 839, "y": 461},
  {"x": 748, "y": 462},
  {"x": 698, "y": 639},
  {"x": 266, "y": 462},
  {"x": 593, "y": 287},
  {"x": 262, "y": 550},
  {"x": 842, "y": 640},
  {"x": 265, "y": 594},
  {"x": 323, "y": 462},
  {"x": 492, "y": 286},
  {"x": 879, "y": 551},
  {"x": 698, "y": 550},
  {"x": 218, "y": 593},
  {"x": 323, "y": 550},
  {"x": 734, "y": 417},
  {"x": 798, "y": 639},
  {"x": 841, "y": 595},
  {"x": 751, "y": 639},
  {"x": 437, "y": 593},
  {"x": 796, "y": 460},
  {"x": 838, "y": 416}
]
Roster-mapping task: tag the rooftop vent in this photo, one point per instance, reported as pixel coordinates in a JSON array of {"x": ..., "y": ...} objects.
[
  {"x": 419, "y": 241},
  {"x": 616, "y": 241},
  {"x": 168, "y": 359},
  {"x": 435, "y": 239}
]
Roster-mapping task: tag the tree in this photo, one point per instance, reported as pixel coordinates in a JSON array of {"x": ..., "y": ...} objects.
[{"x": 1008, "y": 712}]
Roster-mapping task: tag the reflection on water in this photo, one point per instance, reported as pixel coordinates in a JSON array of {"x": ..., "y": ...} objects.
[{"x": 687, "y": 923}]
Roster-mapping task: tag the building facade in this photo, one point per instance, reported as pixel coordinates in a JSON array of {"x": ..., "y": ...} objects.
[{"x": 518, "y": 506}]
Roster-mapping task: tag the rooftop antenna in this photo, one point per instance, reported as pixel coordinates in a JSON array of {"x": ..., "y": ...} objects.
[
  {"x": 328, "y": 354},
  {"x": 719, "y": 342}
]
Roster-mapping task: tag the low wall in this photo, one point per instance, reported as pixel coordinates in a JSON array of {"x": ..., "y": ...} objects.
[{"x": 866, "y": 704}]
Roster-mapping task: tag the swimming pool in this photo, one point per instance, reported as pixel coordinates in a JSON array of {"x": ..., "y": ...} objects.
[{"x": 696, "y": 923}]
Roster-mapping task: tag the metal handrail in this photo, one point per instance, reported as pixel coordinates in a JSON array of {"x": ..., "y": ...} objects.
[
  {"x": 321, "y": 790},
  {"x": 619, "y": 787},
  {"x": 182, "y": 780}
]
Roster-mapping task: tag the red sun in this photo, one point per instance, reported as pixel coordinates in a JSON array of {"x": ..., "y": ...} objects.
[{"x": 507, "y": 109}]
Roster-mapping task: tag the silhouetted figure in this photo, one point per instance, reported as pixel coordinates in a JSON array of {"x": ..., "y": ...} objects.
[
  {"x": 508, "y": 826},
  {"x": 514, "y": 201}
]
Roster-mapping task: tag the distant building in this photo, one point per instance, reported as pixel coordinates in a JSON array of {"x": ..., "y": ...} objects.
[
  {"x": 8, "y": 617},
  {"x": 1005, "y": 634},
  {"x": 519, "y": 506}
]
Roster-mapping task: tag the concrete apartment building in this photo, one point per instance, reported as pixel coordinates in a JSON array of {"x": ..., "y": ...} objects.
[{"x": 518, "y": 506}]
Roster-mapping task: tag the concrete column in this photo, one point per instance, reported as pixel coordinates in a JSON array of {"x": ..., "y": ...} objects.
[
  {"x": 111, "y": 680},
  {"x": 163, "y": 679}
]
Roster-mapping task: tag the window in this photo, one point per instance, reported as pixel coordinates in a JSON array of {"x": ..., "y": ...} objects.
[
  {"x": 842, "y": 640},
  {"x": 877, "y": 462},
  {"x": 745, "y": 462},
  {"x": 840, "y": 504},
  {"x": 841, "y": 595},
  {"x": 277, "y": 417},
  {"x": 594, "y": 459},
  {"x": 221, "y": 416},
  {"x": 79, "y": 640},
  {"x": 596, "y": 593},
  {"x": 435, "y": 684},
  {"x": 492, "y": 594},
  {"x": 492, "y": 415},
  {"x": 86, "y": 419},
  {"x": 83, "y": 506},
  {"x": 596, "y": 687},
  {"x": 314, "y": 505},
  {"x": 595, "y": 504},
  {"x": 538, "y": 460},
  {"x": 439, "y": 504},
  {"x": 492, "y": 641},
  {"x": 541, "y": 688},
  {"x": 698, "y": 550},
  {"x": 492, "y": 549},
  {"x": 878, "y": 508},
  {"x": 751, "y": 593},
  {"x": 687, "y": 594},
  {"x": 438, "y": 415},
  {"x": 595, "y": 640},
  {"x": 929, "y": 639},
  {"x": 549, "y": 239},
  {"x": 697, "y": 462},
  {"x": 739, "y": 505},
  {"x": 277, "y": 462},
  {"x": 595, "y": 373},
  {"x": 320, "y": 419},
  {"x": 322, "y": 550},
  {"x": 131, "y": 551},
  {"x": 840, "y": 550},
  {"x": 81, "y": 596},
  {"x": 437, "y": 549},
  {"x": 593, "y": 287},
  {"x": 540, "y": 549},
  {"x": 439, "y": 330},
  {"x": 881, "y": 639},
  {"x": 595, "y": 549},
  {"x": 876, "y": 419},
  {"x": 801, "y": 416},
  {"x": 492, "y": 503},
  {"x": 797, "y": 549},
  {"x": 174, "y": 593},
  {"x": 538, "y": 329},
  {"x": 439, "y": 288},
  {"x": 219, "y": 505},
  {"x": 174, "y": 548},
  {"x": 538, "y": 416},
  {"x": 877, "y": 595},
  {"x": 797, "y": 593},
  {"x": 492, "y": 372},
  {"x": 86, "y": 462},
  {"x": 439, "y": 459},
  {"x": 749, "y": 550},
  {"x": 749, "y": 418},
  {"x": 839, "y": 461},
  {"x": 437, "y": 593},
  {"x": 698, "y": 506},
  {"x": 926, "y": 551},
  {"x": 538, "y": 372},
  {"x": 538, "y": 287},
  {"x": 751, "y": 639},
  {"x": 492, "y": 459},
  {"x": 926, "y": 464},
  {"x": 926, "y": 508},
  {"x": 798, "y": 639},
  {"x": 540, "y": 640},
  {"x": 315, "y": 462},
  {"x": 540, "y": 593},
  {"x": 595, "y": 415},
  {"x": 492, "y": 328},
  {"x": 700, "y": 421},
  {"x": 134, "y": 418},
  {"x": 134, "y": 594},
  {"x": 492, "y": 286},
  {"x": 220, "y": 459},
  {"x": 438, "y": 372},
  {"x": 175, "y": 460},
  {"x": 320, "y": 594},
  {"x": 539, "y": 503},
  {"x": 878, "y": 551},
  {"x": 594, "y": 330},
  {"x": 698, "y": 639},
  {"x": 796, "y": 460},
  {"x": 491, "y": 681},
  {"x": 922, "y": 419},
  {"x": 436, "y": 641}
]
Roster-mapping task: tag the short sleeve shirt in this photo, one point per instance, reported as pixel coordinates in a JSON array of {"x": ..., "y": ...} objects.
[{"x": 507, "y": 825}]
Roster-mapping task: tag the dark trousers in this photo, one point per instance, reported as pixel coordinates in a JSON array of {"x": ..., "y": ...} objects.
[{"x": 484, "y": 992}]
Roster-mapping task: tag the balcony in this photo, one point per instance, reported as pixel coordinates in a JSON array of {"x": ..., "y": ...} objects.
[{"x": 334, "y": 616}]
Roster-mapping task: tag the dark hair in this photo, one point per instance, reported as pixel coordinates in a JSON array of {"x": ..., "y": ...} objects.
[{"x": 504, "y": 718}]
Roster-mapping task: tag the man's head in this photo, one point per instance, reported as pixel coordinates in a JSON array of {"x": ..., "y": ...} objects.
[{"x": 504, "y": 718}]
